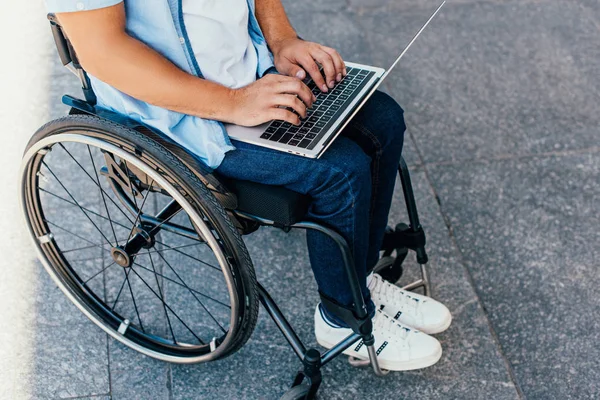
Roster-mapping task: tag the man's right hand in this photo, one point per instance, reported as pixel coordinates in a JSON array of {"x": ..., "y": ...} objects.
[{"x": 265, "y": 99}]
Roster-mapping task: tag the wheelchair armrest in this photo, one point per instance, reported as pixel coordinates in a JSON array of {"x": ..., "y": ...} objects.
[
  {"x": 66, "y": 52},
  {"x": 60, "y": 40},
  {"x": 69, "y": 59}
]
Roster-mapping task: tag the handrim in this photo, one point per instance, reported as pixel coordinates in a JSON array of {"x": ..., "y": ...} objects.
[{"x": 35, "y": 153}]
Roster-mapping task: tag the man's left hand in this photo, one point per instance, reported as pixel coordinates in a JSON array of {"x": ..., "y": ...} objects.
[{"x": 296, "y": 57}]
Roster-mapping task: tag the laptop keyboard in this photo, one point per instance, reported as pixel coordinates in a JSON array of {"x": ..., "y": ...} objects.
[{"x": 324, "y": 112}]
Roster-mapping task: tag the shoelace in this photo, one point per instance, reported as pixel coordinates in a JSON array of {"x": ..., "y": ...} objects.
[
  {"x": 394, "y": 295},
  {"x": 387, "y": 324}
]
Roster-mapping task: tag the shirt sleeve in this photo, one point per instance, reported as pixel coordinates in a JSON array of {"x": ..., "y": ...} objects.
[{"x": 58, "y": 6}]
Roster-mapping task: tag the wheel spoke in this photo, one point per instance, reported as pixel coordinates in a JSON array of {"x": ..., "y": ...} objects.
[
  {"x": 169, "y": 217},
  {"x": 171, "y": 230},
  {"x": 137, "y": 217},
  {"x": 134, "y": 302},
  {"x": 100, "y": 187},
  {"x": 172, "y": 248},
  {"x": 87, "y": 259},
  {"x": 81, "y": 248},
  {"x": 120, "y": 290},
  {"x": 162, "y": 298},
  {"x": 78, "y": 205},
  {"x": 187, "y": 255},
  {"x": 192, "y": 293},
  {"x": 86, "y": 209},
  {"x": 76, "y": 235},
  {"x": 102, "y": 194},
  {"x": 169, "y": 308},
  {"x": 129, "y": 183},
  {"x": 179, "y": 284},
  {"x": 98, "y": 273}
]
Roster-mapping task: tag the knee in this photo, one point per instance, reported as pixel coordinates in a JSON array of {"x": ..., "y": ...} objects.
[
  {"x": 347, "y": 169},
  {"x": 389, "y": 112},
  {"x": 384, "y": 117},
  {"x": 355, "y": 163}
]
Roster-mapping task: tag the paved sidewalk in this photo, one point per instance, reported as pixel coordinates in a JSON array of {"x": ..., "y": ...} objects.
[{"x": 501, "y": 101}]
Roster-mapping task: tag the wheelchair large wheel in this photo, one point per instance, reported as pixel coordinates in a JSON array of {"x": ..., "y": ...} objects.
[{"x": 136, "y": 241}]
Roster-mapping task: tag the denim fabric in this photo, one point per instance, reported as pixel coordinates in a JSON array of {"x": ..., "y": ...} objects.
[
  {"x": 351, "y": 187},
  {"x": 159, "y": 24}
]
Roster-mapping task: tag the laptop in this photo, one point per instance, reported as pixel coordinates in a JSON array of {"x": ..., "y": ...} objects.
[{"x": 329, "y": 114}]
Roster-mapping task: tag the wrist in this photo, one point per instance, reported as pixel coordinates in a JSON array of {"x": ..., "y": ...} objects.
[
  {"x": 276, "y": 45},
  {"x": 213, "y": 101},
  {"x": 231, "y": 106}
]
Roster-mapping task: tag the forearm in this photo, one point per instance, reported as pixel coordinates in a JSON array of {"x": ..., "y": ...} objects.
[
  {"x": 135, "y": 69},
  {"x": 274, "y": 22},
  {"x": 130, "y": 66}
]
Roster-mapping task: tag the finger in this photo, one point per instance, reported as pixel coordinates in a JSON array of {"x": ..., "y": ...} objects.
[
  {"x": 298, "y": 88},
  {"x": 293, "y": 102},
  {"x": 328, "y": 66},
  {"x": 284, "y": 115},
  {"x": 290, "y": 69},
  {"x": 340, "y": 66},
  {"x": 310, "y": 66}
]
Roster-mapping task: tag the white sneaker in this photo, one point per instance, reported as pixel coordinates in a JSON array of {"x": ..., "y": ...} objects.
[
  {"x": 408, "y": 308},
  {"x": 398, "y": 348}
]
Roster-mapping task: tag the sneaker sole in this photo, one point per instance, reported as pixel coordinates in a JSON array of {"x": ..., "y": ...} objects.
[
  {"x": 437, "y": 330},
  {"x": 391, "y": 365}
]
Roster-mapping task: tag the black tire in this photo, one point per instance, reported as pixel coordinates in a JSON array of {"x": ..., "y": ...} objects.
[
  {"x": 203, "y": 212},
  {"x": 393, "y": 272},
  {"x": 296, "y": 393}
]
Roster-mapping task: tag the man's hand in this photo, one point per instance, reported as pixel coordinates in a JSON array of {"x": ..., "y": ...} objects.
[
  {"x": 266, "y": 98},
  {"x": 295, "y": 57}
]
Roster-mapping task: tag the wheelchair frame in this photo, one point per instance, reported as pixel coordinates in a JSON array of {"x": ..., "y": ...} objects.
[{"x": 357, "y": 318}]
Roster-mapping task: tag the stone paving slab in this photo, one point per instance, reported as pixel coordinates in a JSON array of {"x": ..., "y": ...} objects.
[
  {"x": 70, "y": 361},
  {"x": 135, "y": 376},
  {"x": 494, "y": 79},
  {"x": 530, "y": 239}
]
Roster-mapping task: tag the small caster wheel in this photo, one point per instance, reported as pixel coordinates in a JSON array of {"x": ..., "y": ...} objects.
[
  {"x": 393, "y": 271},
  {"x": 296, "y": 393}
]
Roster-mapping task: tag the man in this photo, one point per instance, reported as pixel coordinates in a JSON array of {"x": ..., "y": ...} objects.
[{"x": 182, "y": 65}]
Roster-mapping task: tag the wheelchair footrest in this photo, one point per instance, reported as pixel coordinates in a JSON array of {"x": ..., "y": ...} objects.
[{"x": 404, "y": 237}]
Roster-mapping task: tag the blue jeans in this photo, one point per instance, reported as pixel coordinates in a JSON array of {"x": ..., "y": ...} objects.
[{"x": 351, "y": 187}]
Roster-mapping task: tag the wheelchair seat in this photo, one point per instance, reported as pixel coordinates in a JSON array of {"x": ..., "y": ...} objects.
[{"x": 275, "y": 203}]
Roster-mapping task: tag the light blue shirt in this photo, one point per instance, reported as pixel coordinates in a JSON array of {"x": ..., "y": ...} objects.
[
  {"x": 218, "y": 33},
  {"x": 159, "y": 24}
]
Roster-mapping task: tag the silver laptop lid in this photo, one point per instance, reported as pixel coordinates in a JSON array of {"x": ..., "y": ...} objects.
[
  {"x": 412, "y": 41},
  {"x": 339, "y": 129}
]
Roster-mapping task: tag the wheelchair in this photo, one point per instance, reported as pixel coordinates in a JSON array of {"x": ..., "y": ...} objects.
[{"x": 147, "y": 241}]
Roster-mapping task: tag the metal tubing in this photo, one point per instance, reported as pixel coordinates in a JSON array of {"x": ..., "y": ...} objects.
[
  {"x": 359, "y": 301},
  {"x": 424, "y": 274},
  {"x": 339, "y": 348},
  {"x": 409, "y": 197},
  {"x": 167, "y": 226},
  {"x": 411, "y": 206},
  {"x": 375, "y": 363},
  {"x": 414, "y": 285},
  {"x": 282, "y": 323}
]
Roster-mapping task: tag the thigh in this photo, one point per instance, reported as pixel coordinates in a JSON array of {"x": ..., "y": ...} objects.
[
  {"x": 344, "y": 161},
  {"x": 378, "y": 125}
]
